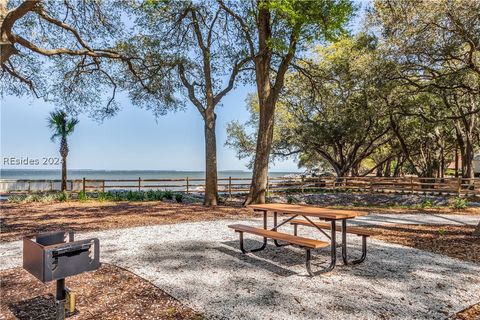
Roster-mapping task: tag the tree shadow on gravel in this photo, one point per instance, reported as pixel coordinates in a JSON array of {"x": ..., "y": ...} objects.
[{"x": 218, "y": 275}]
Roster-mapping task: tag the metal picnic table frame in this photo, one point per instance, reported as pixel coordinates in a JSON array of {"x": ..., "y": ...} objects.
[{"x": 330, "y": 215}]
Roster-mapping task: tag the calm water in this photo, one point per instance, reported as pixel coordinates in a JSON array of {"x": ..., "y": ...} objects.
[{"x": 18, "y": 174}]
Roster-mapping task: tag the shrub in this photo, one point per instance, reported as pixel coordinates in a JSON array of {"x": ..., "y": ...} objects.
[
  {"x": 167, "y": 194},
  {"x": 16, "y": 198},
  {"x": 47, "y": 197},
  {"x": 460, "y": 203},
  {"x": 63, "y": 196},
  {"x": 179, "y": 197},
  {"x": 104, "y": 196},
  {"x": 82, "y": 196},
  {"x": 290, "y": 199},
  {"x": 426, "y": 204}
]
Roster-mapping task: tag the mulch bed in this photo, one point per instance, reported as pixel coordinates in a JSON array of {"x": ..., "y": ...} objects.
[
  {"x": 472, "y": 313},
  {"x": 452, "y": 241},
  {"x": 108, "y": 293},
  {"x": 19, "y": 219}
]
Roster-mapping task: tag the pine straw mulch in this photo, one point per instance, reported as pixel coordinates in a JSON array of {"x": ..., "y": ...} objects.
[
  {"x": 19, "y": 219},
  {"x": 472, "y": 313},
  {"x": 452, "y": 241},
  {"x": 108, "y": 293}
]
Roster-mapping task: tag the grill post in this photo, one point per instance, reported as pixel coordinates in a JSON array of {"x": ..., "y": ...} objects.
[{"x": 60, "y": 300}]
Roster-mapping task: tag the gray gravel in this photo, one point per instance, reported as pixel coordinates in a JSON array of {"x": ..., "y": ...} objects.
[{"x": 201, "y": 265}]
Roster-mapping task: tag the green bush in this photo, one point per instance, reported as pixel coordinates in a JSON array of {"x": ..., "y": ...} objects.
[
  {"x": 16, "y": 198},
  {"x": 104, "y": 196},
  {"x": 82, "y": 196},
  {"x": 179, "y": 197},
  {"x": 167, "y": 194},
  {"x": 63, "y": 196},
  {"x": 460, "y": 203},
  {"x": 48, "y": 197},
  {"x": 290, "y": 199},
  {"x": 426, "y": 204}
]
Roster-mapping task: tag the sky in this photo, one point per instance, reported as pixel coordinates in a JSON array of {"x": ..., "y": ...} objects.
[{"x": 132, "y": 140}]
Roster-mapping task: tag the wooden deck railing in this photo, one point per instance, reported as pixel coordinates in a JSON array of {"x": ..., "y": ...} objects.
[{"x": 230, "y": 185}]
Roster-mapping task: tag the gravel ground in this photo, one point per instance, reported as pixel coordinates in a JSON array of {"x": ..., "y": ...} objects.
[{"x": 200, "y": 264}]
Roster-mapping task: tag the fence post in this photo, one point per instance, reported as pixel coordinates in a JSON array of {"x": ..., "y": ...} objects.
[
  {"x": 230, "y": 186},
  {"x": 188, "y": 185},
  {"x": 303, "y": 184},
  {"x": 411, "y": 185},
  {"x": 51, "y": 185},
  {"x": 139, "y": 183},
  {"x": 103, "y": 186},
  {"x": 83, "y": 185}
]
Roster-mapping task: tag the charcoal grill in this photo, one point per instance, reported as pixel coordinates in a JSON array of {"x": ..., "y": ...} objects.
[{"x": 55, "y": 256}]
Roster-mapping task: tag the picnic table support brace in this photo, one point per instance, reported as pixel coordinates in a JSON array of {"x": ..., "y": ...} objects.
[
  {"x": 333, "y": 255},
  {"x": 277, "y": 226}
]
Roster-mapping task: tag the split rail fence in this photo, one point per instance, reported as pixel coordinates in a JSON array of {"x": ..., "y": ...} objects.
[{"x": 232, "y": 185}]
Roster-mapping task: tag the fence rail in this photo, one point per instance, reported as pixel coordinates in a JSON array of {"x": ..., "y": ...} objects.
[{"x": 230, "y": 185}]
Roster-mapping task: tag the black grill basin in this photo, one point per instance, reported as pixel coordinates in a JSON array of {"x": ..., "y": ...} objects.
[{"x": 55, "y": 255}]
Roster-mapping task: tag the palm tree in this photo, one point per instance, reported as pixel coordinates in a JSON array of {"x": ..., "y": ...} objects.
[{"x": 62, "y": 127}]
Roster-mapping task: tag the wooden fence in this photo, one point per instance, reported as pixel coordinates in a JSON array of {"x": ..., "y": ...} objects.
[{"x": 231, "y": 185}]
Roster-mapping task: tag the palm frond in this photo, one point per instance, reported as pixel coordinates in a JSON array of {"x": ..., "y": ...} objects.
[{"x": 60, "y": 124}]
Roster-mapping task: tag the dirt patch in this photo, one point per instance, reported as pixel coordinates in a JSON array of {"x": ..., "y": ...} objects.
[
  {"x": 108, "y": 293},
  {"x": 20, "y": 219},
  {"x": 453, "y": 241},
  {"x": 472, "y": 313}
]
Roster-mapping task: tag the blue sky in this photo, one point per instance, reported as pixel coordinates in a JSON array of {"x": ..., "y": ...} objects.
[{"x": 133, "y": 139}]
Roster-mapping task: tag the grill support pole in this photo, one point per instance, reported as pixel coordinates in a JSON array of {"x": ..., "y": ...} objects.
[{"x": 60, "y": 299}]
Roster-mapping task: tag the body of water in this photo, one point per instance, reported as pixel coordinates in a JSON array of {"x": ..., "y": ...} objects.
[{"x": 29, "y": 174}]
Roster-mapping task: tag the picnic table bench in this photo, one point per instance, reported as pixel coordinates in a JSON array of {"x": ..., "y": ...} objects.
[{"x": 329, "y": 215}]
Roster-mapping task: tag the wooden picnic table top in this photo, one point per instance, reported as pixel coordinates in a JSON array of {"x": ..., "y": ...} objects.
[{"x": 324, "y": 213}]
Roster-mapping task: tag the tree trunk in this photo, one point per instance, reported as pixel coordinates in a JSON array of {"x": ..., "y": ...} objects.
[
  {"x": 456, "y": 161},
  {"x": 211, "y": 187},
  {"x": 64, "y": 154},
  {"x": 398, "y": 167},
  {"x": 468, "y": 160},
  {"x": 64, "y": 174},
  {"x": 388, "y": 168},
  {"x": 379, "y": 172},
  {"x": 258, "y": 187}
]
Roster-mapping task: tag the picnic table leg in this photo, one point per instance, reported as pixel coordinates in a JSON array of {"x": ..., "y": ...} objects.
[
  {"x": 275, "y": 229},
  {"x": 344, "y": 246},
  {"x": 333, "y": 254},
  {"x": 344, "y": 241}
]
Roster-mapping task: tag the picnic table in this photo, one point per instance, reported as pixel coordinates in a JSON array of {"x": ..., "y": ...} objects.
[{"x": 330, "y": 216}]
